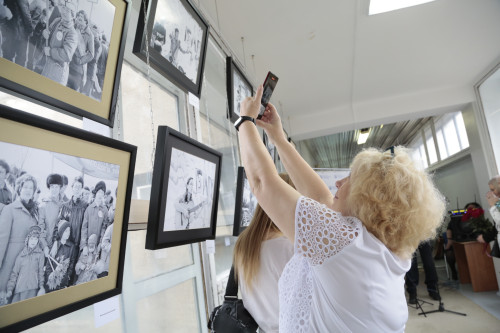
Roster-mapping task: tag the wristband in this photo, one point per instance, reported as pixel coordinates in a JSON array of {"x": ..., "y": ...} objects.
[{"x": 241, "y": 120}]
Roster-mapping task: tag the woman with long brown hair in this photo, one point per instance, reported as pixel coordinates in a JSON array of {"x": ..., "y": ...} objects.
[{"x": 260, "y": 254}]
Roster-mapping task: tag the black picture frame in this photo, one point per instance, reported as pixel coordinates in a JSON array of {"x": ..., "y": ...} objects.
[
  {"x": 184, "y": 67},
  {"x": 186, "y": 175},
  {"x": 236, "y": 82},
  {"x": 35, "y": 80},
  {"x": 104, "y": 158},
  {"x": 245, "y": 203}
]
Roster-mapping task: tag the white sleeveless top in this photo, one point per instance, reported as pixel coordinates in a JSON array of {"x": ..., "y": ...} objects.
[
  {"x": 341, "y": 277},
  {"x": 262, "y": 301}
]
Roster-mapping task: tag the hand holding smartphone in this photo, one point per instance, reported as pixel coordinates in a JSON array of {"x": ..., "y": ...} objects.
[{"x": 269, "y": 85}]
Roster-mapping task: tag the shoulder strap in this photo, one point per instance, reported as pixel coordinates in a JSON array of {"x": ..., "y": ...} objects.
[{"x": 232, "y": 285}]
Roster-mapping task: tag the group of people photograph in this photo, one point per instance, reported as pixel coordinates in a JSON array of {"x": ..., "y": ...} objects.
[
  {"x": 56, "y": 222},
  {"x": 65, "y": 41}
]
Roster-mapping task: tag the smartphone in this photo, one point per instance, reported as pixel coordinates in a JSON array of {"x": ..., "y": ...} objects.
[{"x": 269, "y": 85}]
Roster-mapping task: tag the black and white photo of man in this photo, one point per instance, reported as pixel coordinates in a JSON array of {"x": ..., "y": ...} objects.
[
  {"x": 182, "y": 34},
  {"x": 190, "y": 192}
]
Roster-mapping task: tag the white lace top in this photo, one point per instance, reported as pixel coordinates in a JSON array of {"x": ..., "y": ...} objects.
[{"x": 341, "y": 277}]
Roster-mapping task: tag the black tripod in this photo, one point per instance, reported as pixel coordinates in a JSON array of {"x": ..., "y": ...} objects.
[
  {"x": 418, "y": 305},
  {"x": 440, "y": 309}
]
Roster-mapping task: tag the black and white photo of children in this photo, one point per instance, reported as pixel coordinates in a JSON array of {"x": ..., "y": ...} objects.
[
  {"x": 177, "y": 36},
  {"x": 190, "y": 192},
  {"x": 62, "y": 40},
  {"x": 55, "y": 222}
]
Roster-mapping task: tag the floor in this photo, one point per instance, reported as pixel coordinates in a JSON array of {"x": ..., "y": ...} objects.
[{"x": 482, "y": 309}]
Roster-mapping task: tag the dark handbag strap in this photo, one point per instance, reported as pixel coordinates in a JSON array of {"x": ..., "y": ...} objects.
[{"x": 232, "y": 286}]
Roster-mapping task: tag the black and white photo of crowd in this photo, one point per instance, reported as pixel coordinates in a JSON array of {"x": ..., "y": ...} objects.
[
  {"x": 248, "y": 204},
  {"x": 190, "y": 192},
  {"x": 56, "y": 221},
  {"x": 177, "y": 37},
  {"x": 241, "y": 91},
  {"x": 66, "y": 41}
]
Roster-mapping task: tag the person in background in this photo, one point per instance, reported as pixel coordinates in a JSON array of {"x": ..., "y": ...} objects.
[
  {"x": 16, "y": 220},
  {"x": 16, "y": 31},
  {"x": 62, "y": 42},
  {"x": 493, "y": 197},
  {"x": 64, "y": 197},
  {"x": 83, "y": 54},
  {"x": 72, "y": 212},
  {"x": 27, "y": 277},
  {"x": 260, "y": 254},
  {"x": 431, "y": 277},
  {"x": 59, "y": 268},
  {"x": 351, "y": 250},
  {"x": 86, "y": 195},
  {"x": 95, "y": 219},
  {"x": 463, "y": 230},
  {"x": 86, "y": 265},
  {"x": 49, "y": 211},
  {"x": 102, "y": 266},
  {"x": 91, "y": 83},
  {"x": 5, "y": 193},
  {"x": 101, "y": 65}
]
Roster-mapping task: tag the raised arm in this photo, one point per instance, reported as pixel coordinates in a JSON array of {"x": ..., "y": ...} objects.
[
  {"x": 306, "y": 180},
  {"x": 277, "y": 198}
]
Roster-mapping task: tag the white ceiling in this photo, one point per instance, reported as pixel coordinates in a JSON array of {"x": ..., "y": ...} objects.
[{"x": 340, "y": 69}]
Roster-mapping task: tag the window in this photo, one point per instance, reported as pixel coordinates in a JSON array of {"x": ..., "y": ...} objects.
[
  {"x": 418, "y": 151},
  {"x": 451, "y": 134},
  {"x": 383, "y": 6},
  {"x": 431, "y": 148}
]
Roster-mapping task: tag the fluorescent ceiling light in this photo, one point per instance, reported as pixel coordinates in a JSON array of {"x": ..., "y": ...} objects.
[
  {"x": 363, "y": 135},
  {"x": 382, "y": 6}
]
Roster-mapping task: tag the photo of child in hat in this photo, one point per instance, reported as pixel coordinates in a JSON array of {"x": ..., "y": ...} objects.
[
  {"x": 85, "y": 268},
  {"x": 26, "y": 279},
  {"x": 58, "y": 269}
]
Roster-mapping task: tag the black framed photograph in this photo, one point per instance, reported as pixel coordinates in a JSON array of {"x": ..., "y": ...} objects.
[
  {"x": 184, "y": 192},
  {"x": 64, "y": 209},
  {"x": 68, "y": 56},
  {"x": 238, "y": 88},
  {"x": 176, "y": 35},
  {"x": 246, "y": 202}
]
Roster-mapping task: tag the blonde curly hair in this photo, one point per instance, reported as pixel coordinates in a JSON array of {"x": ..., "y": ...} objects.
[{"x": 396, "y": 201}]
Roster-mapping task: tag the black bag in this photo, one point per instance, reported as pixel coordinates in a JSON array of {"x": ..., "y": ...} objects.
[
  {"x": 231, "y": 316},
  {"x": 495, "y": 251}
]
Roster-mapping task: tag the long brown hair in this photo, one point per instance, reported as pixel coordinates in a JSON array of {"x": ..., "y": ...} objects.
[{"x": 247, "y": 247}]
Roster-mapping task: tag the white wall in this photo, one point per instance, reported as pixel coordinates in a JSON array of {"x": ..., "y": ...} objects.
[
  {"x": 457, "y": 180},
  {"x": 477, "y": 152}
]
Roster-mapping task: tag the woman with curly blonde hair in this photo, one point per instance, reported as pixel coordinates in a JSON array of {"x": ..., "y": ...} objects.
[
  {"x": 351, "y": 249},
  {"x": 260, "y": 254}
]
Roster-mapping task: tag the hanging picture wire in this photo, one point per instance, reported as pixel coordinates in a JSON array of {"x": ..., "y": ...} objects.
[{"x": 149, "y": 84}]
